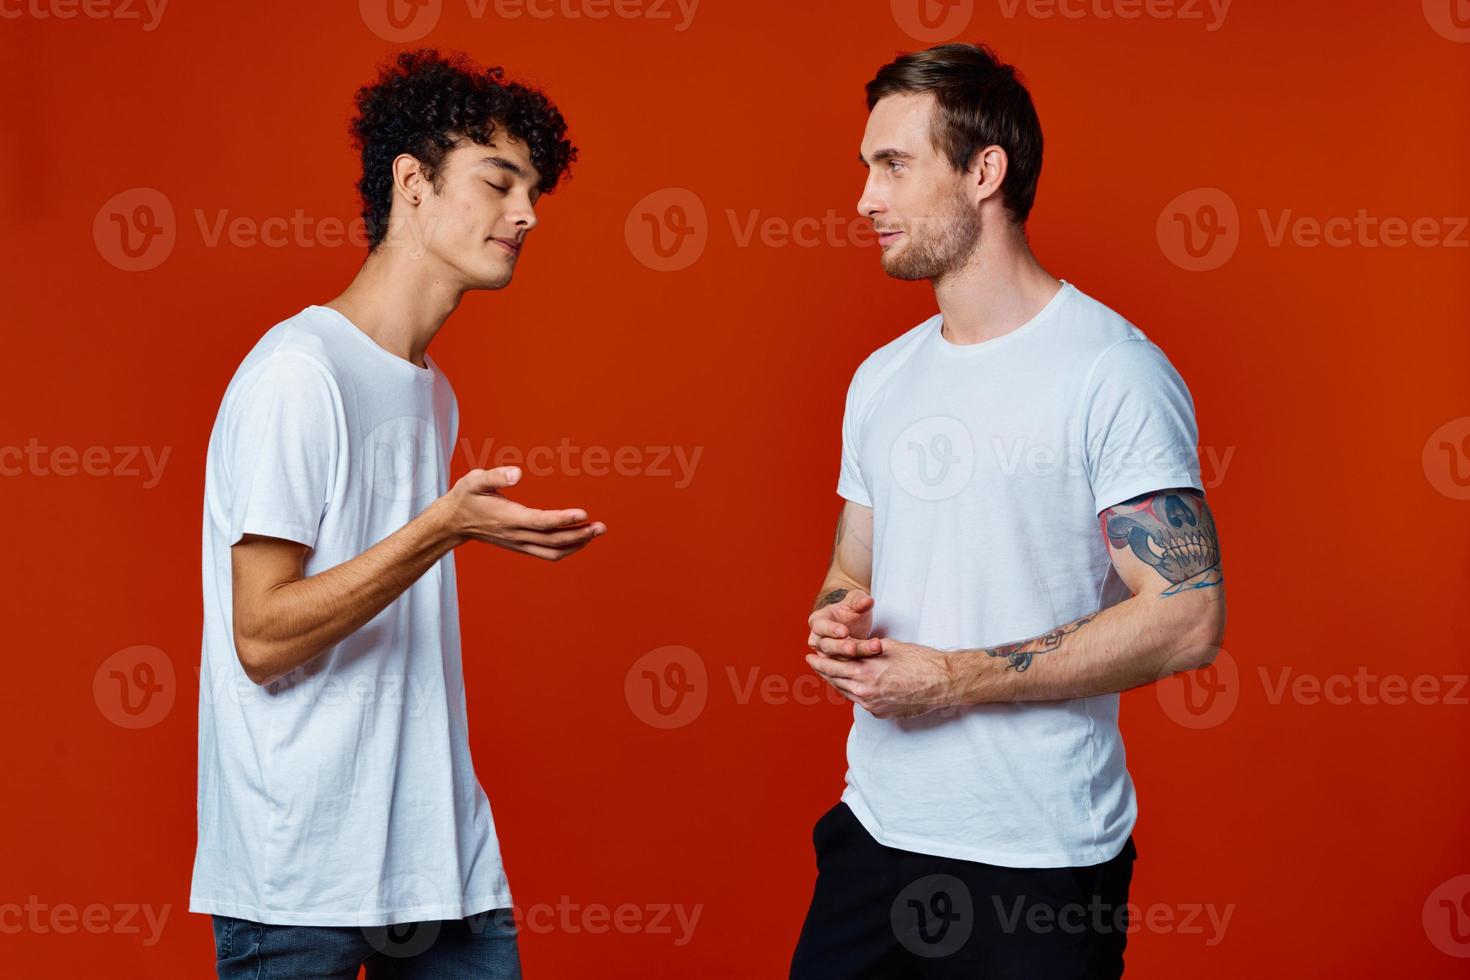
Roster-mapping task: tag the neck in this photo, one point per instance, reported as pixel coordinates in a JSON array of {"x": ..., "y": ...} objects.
[
  {"x": 999, "y": 288},
  {"x": 398, "y": 301}
]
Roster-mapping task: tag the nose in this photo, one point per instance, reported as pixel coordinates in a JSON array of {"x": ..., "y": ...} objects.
[
  {"x": 870, "y": 204},
  {"x": 523, "y": 215}
]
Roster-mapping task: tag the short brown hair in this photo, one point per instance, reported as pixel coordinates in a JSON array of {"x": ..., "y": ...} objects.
[{"x": 981, "y": 102}]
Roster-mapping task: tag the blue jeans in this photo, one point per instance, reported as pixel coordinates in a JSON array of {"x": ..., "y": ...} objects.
[{"x": 481, "y": 947}]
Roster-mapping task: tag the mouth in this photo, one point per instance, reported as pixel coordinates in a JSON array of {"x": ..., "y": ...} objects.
[
  {"x": 509, "y": 244},
  {"x": 886, "y": 238}
]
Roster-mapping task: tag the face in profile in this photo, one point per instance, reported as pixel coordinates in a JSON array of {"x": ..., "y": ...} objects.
[
  {"x": 477, "y": 218},
  {"x": 927, "y": 225}
]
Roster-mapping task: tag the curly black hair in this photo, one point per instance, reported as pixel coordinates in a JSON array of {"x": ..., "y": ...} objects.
[{"x": 424, "y": 103}]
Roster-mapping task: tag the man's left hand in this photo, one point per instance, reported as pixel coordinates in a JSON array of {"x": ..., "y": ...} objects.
[{"x": 903, "y": 681}]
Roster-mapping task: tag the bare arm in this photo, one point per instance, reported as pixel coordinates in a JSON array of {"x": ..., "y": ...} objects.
[
  {"x": 283, "y": 619},
  {"x": 842, "y": 617},
  {"x": 1163, "y": 545},
  {"x": 1165, "y": 548},
  {"x": 852, "y": 555}
]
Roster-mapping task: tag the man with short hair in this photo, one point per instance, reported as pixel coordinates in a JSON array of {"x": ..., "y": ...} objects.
[
  {"x": 1024, "y": 535},
  {"x": 341, "y": 823}
]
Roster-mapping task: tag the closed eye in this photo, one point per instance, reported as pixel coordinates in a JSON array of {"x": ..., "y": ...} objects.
[{"x": 503, "y": 190}]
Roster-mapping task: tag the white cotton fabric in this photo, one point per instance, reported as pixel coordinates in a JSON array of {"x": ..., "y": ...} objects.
[
  {"x": 342, "y": 794},
  {"x": 986, "y": 466}
]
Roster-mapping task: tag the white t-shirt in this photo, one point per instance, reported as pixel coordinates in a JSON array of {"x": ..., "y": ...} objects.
[
  {"x": 341, "y": 794},
  {"x": 986, "y": 466}
]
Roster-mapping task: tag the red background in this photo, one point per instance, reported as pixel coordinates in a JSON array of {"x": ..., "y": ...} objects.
[{"x": 1326, "y": 372}]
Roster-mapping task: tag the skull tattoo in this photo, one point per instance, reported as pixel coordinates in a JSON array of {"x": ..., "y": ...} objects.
[{"x": 1172, "y": 531}]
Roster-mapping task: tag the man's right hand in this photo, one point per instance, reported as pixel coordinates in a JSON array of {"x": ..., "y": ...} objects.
[
  {"x": 841, "y": 629},
  {"x": 476, "y": 510}
]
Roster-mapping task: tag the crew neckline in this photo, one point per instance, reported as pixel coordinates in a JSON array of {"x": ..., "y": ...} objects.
[
  {"x": 425, "y": 373},
  {"x": 994, "y": 343}
]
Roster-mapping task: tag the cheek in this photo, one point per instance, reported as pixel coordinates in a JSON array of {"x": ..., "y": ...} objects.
[
  {"x": 909, "y": 199},
  {"x": 464, "y": 212},
  {"x": 448, "y": 221},
  {"x": 928, "y": 212}
]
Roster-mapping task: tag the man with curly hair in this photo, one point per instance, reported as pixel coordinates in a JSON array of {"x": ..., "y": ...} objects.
[{"x": 341, "y": 823}]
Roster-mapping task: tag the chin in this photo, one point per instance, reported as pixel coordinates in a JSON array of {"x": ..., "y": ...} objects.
[
  {"x": 495, "y": 279},
  {"x": 896, "y": 268}
]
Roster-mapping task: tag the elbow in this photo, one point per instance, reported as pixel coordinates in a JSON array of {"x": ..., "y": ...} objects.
[
  {"x": 255, "y": 660},
  {"x": 261, "y": 659},
  {"x": 264, "y": 661},
  {"x": 260, "y": 677},
  {"x": 1198, "y": 636},
  {"x": 1206, "y": 635}
]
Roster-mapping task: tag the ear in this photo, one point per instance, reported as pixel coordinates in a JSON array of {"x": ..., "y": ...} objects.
[
  {"x": 408, "y": 179},
  {"x": 986, "y": 173}
]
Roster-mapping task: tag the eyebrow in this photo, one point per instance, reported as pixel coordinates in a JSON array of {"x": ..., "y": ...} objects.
[
  {"x": 884, "y": 155},
  {"x": 501, "y": 163}
]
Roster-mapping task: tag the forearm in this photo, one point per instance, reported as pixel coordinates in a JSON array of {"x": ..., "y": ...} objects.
[
  {"x": 851, "y": 569},
  {"x": 297, "y": 620},
  {"x": 835, "y": 587},
  {"x": 1136, "y": 642}
]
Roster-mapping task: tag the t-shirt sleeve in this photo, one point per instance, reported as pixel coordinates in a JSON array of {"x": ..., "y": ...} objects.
[
  {"x": 850, "y": 482},
  {"x": 1141, "y": 434},
  {"x": 282, "y": 450}
]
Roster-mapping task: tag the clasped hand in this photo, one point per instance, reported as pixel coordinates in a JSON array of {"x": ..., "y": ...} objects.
[{"x": 886, "y": 677}]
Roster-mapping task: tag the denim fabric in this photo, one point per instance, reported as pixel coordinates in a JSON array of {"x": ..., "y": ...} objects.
[{"x": 481, "y": 947}]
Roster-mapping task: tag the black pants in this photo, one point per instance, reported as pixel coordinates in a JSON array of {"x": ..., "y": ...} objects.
[{"x": 880, "y": 913}]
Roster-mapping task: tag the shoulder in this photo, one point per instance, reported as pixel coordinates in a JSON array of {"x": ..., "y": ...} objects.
[
  {"x": 311, "y": 335},
  {"x": 1094, "y": 327},
  {"x": 300, "y": 349},
  {"x": 882, "y": 363},
  {"x": 1115, "y": 349},
  {"x": 292, "y": 362}
]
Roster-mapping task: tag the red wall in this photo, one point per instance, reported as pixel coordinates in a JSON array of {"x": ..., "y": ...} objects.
[{"x": 1319, "y": 802}]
